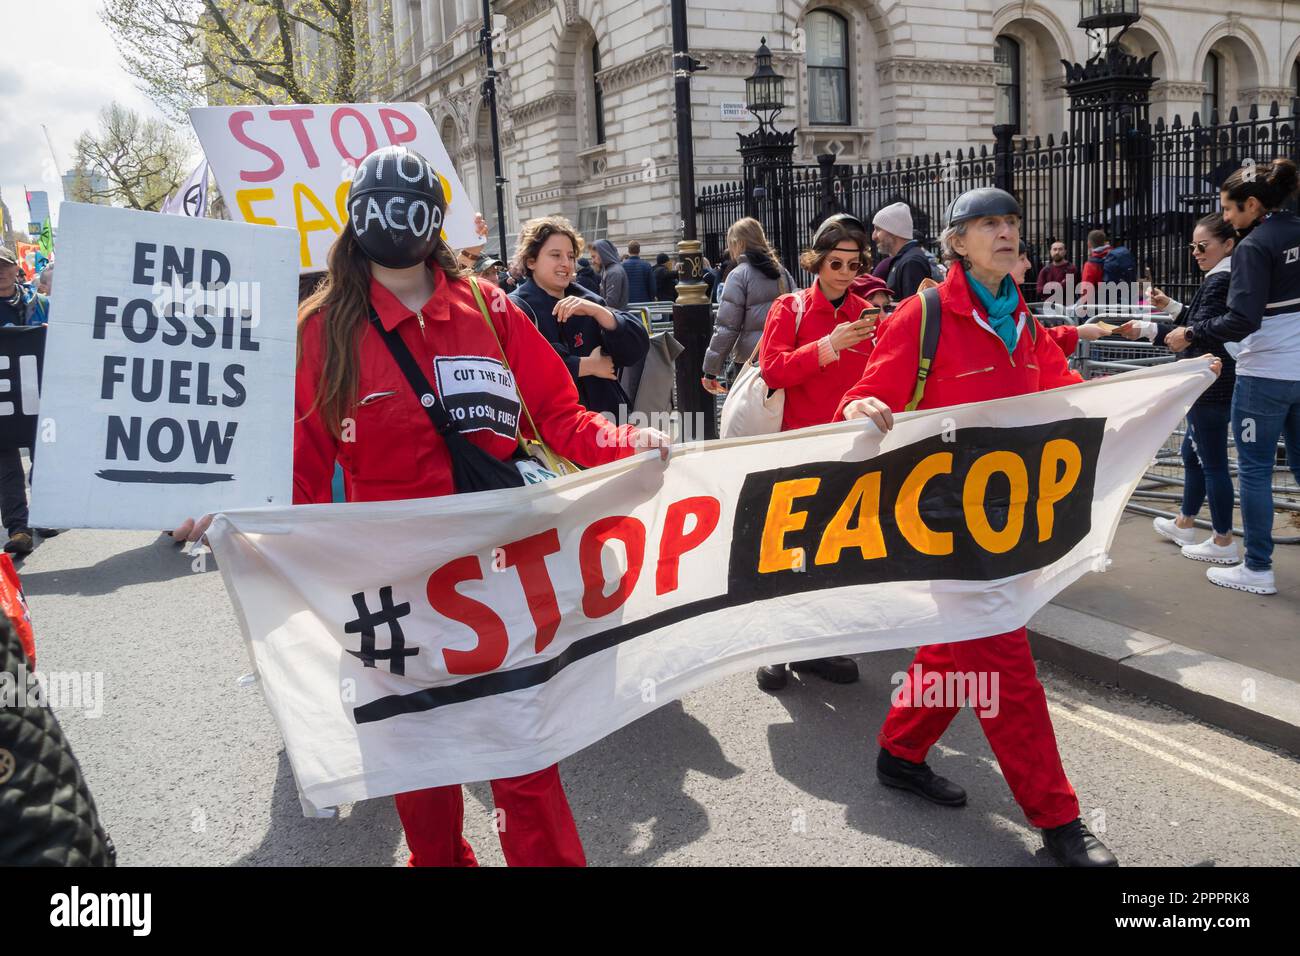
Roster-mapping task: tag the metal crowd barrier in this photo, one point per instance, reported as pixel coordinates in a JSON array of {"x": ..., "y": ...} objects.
[{"x": 1163, "y": 481}]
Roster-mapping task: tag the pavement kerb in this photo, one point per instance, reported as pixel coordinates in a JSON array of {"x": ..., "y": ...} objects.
[{"x": 1242, "y": 699}]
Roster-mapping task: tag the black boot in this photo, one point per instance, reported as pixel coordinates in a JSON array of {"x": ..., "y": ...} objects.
[
  {"x": 773, "y": 677},
  {"x": 1074, "y": 845},
  {"x": 919, "y": 778},
  {"x": 837, "y": 670}
]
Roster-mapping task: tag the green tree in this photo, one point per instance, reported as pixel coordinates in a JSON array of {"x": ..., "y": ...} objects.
[
  {"x": 190, "y": 53},
  {"x": 142, "y": 160}
]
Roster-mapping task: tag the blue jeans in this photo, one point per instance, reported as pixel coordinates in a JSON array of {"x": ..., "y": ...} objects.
[
  {"x": 1263, "y": 409},
  {"x": 1205, "y": 462}
]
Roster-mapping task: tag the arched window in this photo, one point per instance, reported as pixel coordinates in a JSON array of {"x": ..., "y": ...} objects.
[
  {"x": 828, "y": 68},
  {"x": 1295, "y": 80},
  {"x": 1212, "y": 77},
  {"x": 1006, "y": 58},
  {"x": 597, "y": 97}
]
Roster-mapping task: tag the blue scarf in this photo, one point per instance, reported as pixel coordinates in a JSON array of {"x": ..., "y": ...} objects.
[{"x": 1001, "y": 311}]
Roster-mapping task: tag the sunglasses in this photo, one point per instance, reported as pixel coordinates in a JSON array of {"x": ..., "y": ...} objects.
[
  {"x": 1195, "y": 247},
  {"x": 853, "y": 265}
]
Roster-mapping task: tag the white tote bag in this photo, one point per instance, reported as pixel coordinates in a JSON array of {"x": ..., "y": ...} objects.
[{"x": 751, "y": 408}]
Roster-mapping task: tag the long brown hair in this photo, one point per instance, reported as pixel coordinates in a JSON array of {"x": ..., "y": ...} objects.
[
  {"x": 343, "y": 299},
  {"x": 746, "y": 234}
]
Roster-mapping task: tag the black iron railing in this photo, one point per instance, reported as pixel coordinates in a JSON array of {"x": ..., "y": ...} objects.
[{"x": 1146, "y": 186}]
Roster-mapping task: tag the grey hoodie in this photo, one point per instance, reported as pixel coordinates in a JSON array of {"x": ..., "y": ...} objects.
[{"x": 613, "y": 280}]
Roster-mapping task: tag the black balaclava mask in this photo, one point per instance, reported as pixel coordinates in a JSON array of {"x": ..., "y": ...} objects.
[{"x": 395, "y": 207}]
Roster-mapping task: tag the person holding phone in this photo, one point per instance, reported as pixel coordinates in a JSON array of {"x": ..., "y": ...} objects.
[{"x": 815, "y": 345}]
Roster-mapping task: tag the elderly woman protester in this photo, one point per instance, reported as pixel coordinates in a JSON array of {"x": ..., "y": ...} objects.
[
  {"x": 815, "y": 345},
  {"x": 990, "y": 346}
]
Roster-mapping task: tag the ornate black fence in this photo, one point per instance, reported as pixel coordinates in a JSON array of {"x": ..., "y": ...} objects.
[{"x": 1146, "y": 187}]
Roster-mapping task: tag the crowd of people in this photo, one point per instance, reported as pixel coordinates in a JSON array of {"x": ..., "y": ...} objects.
[{"x": 845, "y": 346}]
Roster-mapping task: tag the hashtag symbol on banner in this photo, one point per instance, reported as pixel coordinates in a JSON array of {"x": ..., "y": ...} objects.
[{"x": 388, "y": 613}]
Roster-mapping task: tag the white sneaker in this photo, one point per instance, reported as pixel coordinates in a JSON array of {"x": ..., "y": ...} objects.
[
  {"x": 1241, "y": 578},
  {"x": 1207, "y": 550},
  {"x": 1166, "y": 528}
]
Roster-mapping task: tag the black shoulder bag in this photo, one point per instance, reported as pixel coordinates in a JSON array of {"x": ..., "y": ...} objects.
[{"x": 472, "y": 468}]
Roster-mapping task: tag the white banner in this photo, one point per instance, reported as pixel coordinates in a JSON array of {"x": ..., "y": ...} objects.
[
  {"x": 292, "y": 165},
  {"x": 168, "y": 382},
  {"x": 490, "y": 635}
]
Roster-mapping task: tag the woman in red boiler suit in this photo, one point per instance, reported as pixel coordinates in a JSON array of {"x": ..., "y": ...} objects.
[
  {"x": 391, "y": 261},
  {"x": 815, "y": 345}
]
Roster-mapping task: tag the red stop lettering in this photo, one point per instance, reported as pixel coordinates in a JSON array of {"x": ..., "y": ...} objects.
[
  {"x": 237, "y": 121},
  {"x": 676, "y": 541},
  {"x": 632, "y": 533},
  {"x": 294, "y": 117},
  {"x": 529, "y": 556},
  {"x": 337, "y": 120},
  {"x": 390, "y": 117},
  {"x": 493, "y": 642}
]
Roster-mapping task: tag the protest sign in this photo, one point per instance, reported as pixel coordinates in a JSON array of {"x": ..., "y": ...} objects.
[
  {"x": 169, "y": 373},
  {"x": 292, "y": 165},
  {"x": 22, "y": 350},
  {"x": 488, "y": 635}
]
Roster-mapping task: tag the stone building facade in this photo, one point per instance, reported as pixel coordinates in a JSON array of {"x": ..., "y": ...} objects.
[{"x": 586, "y": 91}]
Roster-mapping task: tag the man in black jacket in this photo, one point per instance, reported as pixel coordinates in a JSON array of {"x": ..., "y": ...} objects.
[{"x": 892, "y": 233}]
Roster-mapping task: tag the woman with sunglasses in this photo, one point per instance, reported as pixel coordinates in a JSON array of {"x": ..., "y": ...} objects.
[
  {"x": 1205, "y": 445},
  {"x": 815, "y": 345}
]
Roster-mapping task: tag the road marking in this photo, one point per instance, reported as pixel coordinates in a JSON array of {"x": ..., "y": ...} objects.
[
  {"x": 1263, "y": 798},
  {"x": 1130, "y": 724}
]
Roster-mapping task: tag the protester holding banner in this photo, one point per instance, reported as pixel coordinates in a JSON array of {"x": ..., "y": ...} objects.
[
  {"x": 395, "y": 302},
  {"x": 815, "y": 345},
  {"x": 594, "y": 341},
  {"x": 1263, "y": 315},
  {"x": 988, "y": 346}
]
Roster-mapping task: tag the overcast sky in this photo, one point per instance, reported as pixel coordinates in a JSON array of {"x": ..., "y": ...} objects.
[{"x": 61, "y": 71}]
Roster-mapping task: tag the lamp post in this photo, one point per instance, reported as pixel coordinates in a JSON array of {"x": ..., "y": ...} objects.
[
  {"x": 767, "y": 155},
  {"x": 1110, "y": 103},
  {"x": 490, "y": 97},
  {"x": 692, "y": 317}
]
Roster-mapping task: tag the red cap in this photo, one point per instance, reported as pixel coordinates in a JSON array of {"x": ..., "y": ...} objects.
[{"x": 867, "y": 285}]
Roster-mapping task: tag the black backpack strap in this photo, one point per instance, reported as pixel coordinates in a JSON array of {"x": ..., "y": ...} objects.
[
  {"x": 419, "y": 384},
  {"x": 931, "y": 313}
]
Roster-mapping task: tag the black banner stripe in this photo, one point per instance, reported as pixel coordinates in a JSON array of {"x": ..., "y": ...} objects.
[{"x": 503, "y": 682}]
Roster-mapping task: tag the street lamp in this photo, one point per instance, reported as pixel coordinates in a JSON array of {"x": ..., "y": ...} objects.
[
  {"x": 1104, "y": 14},
  {"x": 764, "y": 89}
]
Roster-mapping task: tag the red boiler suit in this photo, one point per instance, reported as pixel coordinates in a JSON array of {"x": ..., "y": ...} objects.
[
  {"x": 794, "y": 360},
  {"x": 973, "y": 364},
  {"x": 397, "y": 454}
]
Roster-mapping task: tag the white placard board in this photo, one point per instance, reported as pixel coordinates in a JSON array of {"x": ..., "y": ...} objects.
[
  {"x": 169, "y": 370},
  {"x": 292, "y": 165}
]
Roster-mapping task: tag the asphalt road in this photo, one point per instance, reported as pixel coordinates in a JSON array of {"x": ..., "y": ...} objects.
[{"x": 187, "y": 767}]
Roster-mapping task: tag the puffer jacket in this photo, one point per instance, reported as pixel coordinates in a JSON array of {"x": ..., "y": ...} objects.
[{"x": 747, "y": 296}]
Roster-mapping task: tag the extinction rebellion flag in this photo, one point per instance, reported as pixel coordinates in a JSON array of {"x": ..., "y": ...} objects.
[{"x": 489, "y": 635}]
